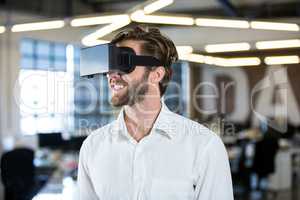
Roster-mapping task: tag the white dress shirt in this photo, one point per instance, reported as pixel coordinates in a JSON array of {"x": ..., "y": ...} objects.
[{"x": 179, "y": 160}]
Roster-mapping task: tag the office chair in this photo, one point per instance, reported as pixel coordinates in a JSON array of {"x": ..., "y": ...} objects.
[
  {"x": 18, "y": 174},
  {"x": 264, "y": 161}
]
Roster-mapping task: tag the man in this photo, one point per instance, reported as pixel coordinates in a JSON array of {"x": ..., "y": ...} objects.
[{"x": 149, "y": 152}]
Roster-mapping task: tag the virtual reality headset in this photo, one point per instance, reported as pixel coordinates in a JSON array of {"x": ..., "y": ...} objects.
[{"x": 102, "y": 59}]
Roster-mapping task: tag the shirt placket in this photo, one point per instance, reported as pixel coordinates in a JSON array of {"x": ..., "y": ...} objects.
[{"x": 139, "y": 170}]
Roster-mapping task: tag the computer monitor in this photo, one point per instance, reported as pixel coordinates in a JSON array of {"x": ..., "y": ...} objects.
[
  {"x": 76, "y": 142},
  {"x": 50, "y": 140}
]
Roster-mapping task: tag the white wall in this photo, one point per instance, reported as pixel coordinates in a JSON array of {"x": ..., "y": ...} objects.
[{"x": 9, "y": 118}]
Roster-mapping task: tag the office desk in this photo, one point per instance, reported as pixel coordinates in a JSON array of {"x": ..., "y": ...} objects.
[
  {"x": 282, "y": 177},
  {"x": 58, "y": 188},
  {"x": 61, "y": 186}
]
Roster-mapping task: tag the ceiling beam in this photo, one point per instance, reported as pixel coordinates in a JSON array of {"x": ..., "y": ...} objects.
[
  {"x": 257, "y": 11},
  {"x": 229, "y": 8}
]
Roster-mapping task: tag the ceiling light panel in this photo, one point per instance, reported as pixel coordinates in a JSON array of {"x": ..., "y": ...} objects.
[
  {"x": 2, "y": 29},
  {"x": 89, "y": 21},
  {"x": 38, "y": 26},
  {"x": 277, "y": 60},
  {"x": 274, "y": 26},
  {"x": 230, "y": 47},
  {"x": 222, "y": 23},
  {"x": 139, "y": 16},
  {"x": 278, "y": 44}
]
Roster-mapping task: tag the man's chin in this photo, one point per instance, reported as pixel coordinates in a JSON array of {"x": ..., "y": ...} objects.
[{"x": 118, "y": 102}]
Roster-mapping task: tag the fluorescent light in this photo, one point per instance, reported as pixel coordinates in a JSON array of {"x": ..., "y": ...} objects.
[
  {"x": 88, "y": 21},
  {"x": 237, "y": 62},
  {"x": 213, "y": 48},
  {"x": 87, "y": 42},
  {"x": 107, "y": 29},
  {"x": 93, "y": 37},
  {"x": 222, "y": 23},
  {"x": 184, "y": 49},
  {"x": 277, "y": 60},
  {"x": 157, "y": 5},
  {"x": 197, "y": 58},
  {"x": 278, "y": 44},
  {"x": 38, "y": 26},
  {"x": 210, "y": 60},
  {"x": 139, "y": 16},
  {"x": 223, "y": 62},
  {"x": 274, "y": 26},
  {"x": 2, "y": 29}
]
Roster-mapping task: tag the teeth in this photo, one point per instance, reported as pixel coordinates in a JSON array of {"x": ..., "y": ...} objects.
[{"x": 118, "y": 87}]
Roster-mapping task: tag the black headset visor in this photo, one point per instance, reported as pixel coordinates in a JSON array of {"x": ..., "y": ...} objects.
[{"x": 102, "y": 59}]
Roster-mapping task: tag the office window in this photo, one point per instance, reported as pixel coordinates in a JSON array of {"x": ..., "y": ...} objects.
[
  {"x": 46, "y": 86},
  {"x": 176, "y": 96},
  {"x": 43, "y": 55},
  {"x": 91, "y": 99}
]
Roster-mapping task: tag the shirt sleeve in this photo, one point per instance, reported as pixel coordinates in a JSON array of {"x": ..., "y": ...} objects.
[
  {"x": 85, "y": 186},
  {"x": 214, "y": 176}
]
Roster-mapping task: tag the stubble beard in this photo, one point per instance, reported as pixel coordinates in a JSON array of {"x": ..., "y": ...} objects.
[{"x": 134, "y": 93}]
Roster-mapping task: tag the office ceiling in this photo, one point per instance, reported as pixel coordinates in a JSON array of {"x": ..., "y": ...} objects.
[
  {"x": 198, "y": 37},
  {"x": 240, "y": 8}
]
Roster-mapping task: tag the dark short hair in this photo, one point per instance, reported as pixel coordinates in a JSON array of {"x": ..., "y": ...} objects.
[{"x": 154, "y": 44}]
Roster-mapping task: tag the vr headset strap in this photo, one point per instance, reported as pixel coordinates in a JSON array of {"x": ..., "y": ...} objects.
[{"x": 150, "y": 61}]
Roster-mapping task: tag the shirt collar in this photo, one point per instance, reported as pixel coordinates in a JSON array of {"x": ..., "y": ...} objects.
[{"x": 163, "y": 124}]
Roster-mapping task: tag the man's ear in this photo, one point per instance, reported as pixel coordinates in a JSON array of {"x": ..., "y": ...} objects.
[{"x": 157, "y": 74}]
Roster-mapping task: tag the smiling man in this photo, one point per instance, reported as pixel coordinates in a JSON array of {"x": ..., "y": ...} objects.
[{"x": 149, "y": 152}]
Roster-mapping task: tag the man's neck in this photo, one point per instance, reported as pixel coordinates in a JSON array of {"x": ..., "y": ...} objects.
[{"x": 140, "y": 117}]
